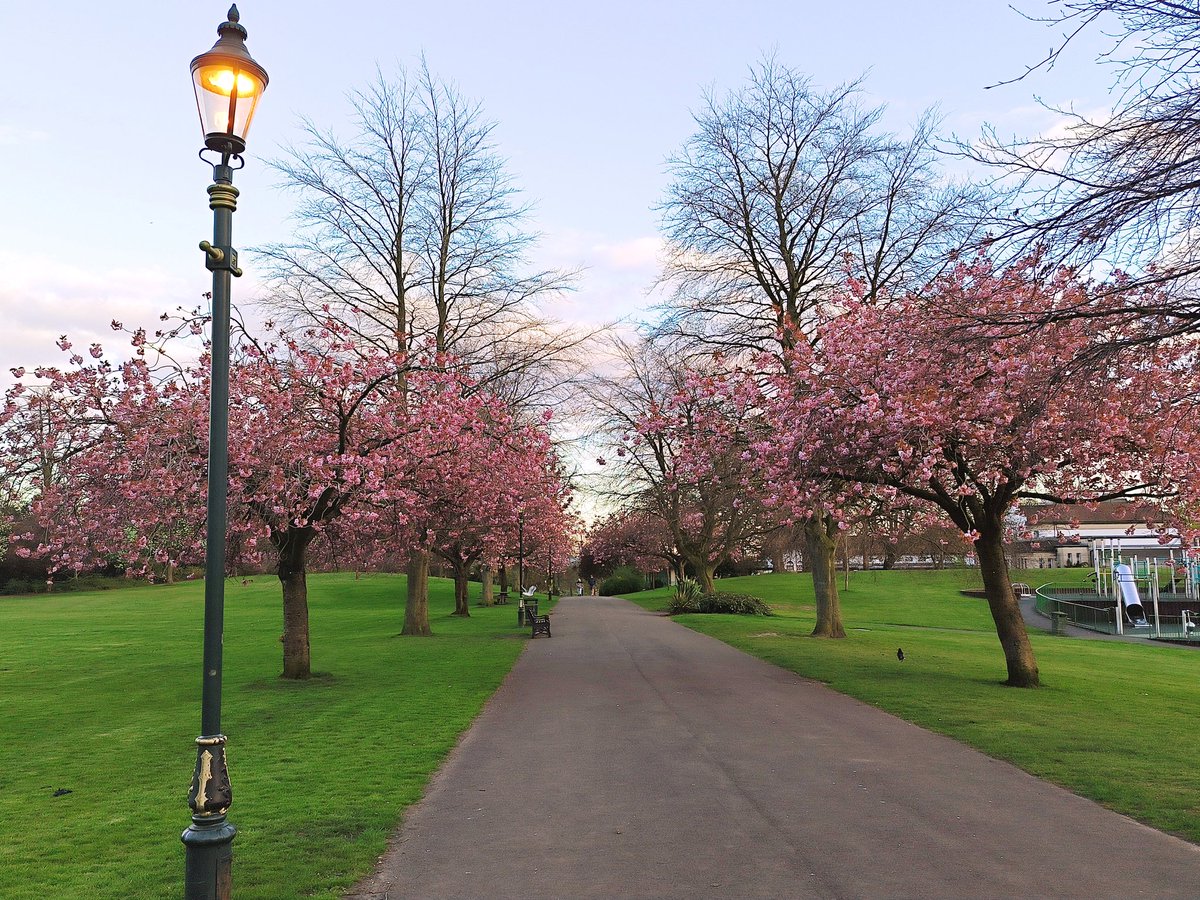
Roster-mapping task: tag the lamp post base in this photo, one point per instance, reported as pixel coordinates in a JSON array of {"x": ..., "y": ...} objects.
[{"x": 208, "y": 869}]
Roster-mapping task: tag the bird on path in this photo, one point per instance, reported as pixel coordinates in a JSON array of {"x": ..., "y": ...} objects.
[{"x": 900, "y": 654}]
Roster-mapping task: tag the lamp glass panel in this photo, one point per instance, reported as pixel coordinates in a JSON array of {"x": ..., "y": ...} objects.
[{"x": 214, "y": 84}]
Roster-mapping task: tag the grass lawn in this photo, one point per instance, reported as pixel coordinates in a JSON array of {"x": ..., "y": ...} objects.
[
  {"x": 1115, "y": 722},
  {"x": 100, "y": 695}
]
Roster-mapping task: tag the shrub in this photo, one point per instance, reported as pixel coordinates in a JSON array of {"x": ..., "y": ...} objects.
[
  {"x": 686, "y": 598},
  {"x": 625, "y": 580},
  {"x": 737, "y": 604}
]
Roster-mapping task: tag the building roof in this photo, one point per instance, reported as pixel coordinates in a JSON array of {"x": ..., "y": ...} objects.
[
  {"x": 1044, "y": 545},
  {"x": 1068, "y": 516}
]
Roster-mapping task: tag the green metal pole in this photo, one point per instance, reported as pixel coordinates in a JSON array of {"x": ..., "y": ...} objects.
[
  {"x": 521, "y": 569},
  {"x": 208, "y": 840}
]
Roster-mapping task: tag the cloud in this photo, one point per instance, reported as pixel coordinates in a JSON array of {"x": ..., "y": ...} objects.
[
  {"x": 43, "y": 297},
  {"x": 12, "y": 136},
  {"x": 573, "y": 247},
  {"x": 1029, "y": 121},
  {"x": 639, "y": 253},
  {"x": 616, "y": 276}
]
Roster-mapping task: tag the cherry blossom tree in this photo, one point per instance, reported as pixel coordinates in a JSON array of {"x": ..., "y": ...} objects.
[
  {"x": 917, "y": 397},
  {"x": 467, "y": 507},
  {"x": 782, "y": 191},
  {"x": 319, "y": 432},
  {"x": 411, "y": 232},
  {"x": 683, "y": 456},
  {"x": 56, "y": 450},
  {"x": 891, "y": 526},
  {"x": 634, "y": 537}
]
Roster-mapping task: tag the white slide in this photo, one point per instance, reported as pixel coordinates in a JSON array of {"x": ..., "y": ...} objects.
[{"x": 1129, "y": 595}]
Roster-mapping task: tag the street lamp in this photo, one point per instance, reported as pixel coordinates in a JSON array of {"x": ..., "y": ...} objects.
[
  {"x": 228, "y": 84},
  {"x": 521, "y": 568}
]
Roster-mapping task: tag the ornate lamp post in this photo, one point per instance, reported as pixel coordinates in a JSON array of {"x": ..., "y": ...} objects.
[{"x": 228, "y": 84}]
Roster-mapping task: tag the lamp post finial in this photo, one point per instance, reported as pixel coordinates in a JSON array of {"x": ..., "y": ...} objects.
[{"x": 232, "y": 23}]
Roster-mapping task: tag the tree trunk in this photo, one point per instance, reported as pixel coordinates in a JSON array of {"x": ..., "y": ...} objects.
[
  {"x": 705, "y": 575},
  {"x": 845, "y": 565},
  {"x": 485, "y": 593},
  {"x": 821, "y": 554},
  {"x": 889, "y": 558},
  {"x": 504, "y": 579},
  {"x": 416, "y": 606},
  {"x": 1006, "y": 611},
  {"x": 170, "y": 576},
  {"x": 294, "y": 578},
  {"x": 461, "y": 591},
  {"x": 778, "y": 562}
]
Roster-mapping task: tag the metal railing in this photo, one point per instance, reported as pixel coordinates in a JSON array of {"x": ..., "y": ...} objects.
[
  {"x": 1184, "y": 627},
  {"x": 1094, "y": 618},
  {"x": 1179, "y": 628}
]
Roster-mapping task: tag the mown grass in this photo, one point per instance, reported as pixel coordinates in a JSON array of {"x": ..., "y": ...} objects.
[
  {"x": 99, "y": 695},
  {"x": 1113, "y": 721}
]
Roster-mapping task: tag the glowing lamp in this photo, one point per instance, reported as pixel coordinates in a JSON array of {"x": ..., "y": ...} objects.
[{"x": 228, "y": 83}]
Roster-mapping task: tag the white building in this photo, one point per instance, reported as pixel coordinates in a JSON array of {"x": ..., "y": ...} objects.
[{"x": 1049, "y": 536}]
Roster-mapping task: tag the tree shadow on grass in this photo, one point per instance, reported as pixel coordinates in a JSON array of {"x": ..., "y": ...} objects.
[{"x": 279, "y": 683}]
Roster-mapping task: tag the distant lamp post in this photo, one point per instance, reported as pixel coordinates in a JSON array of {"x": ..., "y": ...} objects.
[
  {"x": 521, "y": 569},
  {"x": 228, "y": 83}
]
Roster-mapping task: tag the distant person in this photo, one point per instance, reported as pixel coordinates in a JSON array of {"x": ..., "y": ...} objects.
[
  {"x": 578, "y": 587},
  {"x": 592, "y": 585}
]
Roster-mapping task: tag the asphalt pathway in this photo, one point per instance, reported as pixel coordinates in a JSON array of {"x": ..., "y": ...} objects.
[{"x": 630, "y": 757}]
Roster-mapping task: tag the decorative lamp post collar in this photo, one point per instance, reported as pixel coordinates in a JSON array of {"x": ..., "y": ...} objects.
[{"x": 228, "y": 83}]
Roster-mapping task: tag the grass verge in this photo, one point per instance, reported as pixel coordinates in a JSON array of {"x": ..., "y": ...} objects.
[
  {"x": 100, "y": 696},
  {"x": 1113, "y": 721}
]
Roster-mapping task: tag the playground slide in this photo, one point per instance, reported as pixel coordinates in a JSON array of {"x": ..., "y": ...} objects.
[{"x": 1129, "y": 595}]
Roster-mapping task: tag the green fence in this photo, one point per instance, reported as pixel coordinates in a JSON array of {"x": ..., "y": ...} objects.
[
  {"x": 1049, "y": 602},
  {"x": 1178, "y": 628},
  {"x": 1051, "y": 599}
]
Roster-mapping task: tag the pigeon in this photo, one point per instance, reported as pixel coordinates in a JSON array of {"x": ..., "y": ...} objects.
[
  {"x": 900, "y": 654},
  {"x": 62, "y": 792}
]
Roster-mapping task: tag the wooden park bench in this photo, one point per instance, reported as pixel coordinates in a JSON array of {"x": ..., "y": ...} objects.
[
  {"x": 530, "y": 617},
  {"x": 538, "y": 624}
]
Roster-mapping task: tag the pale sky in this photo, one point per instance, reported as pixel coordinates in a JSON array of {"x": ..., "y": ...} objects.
[{"x": 105, "y": 198}]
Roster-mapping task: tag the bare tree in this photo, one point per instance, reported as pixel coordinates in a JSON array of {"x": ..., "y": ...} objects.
[
  {"x": 1121, "y": 191},
  {"x": 411, "y": 231},
  {"x": 412, "y": 234},
  {"x": 784, "y": 196}
]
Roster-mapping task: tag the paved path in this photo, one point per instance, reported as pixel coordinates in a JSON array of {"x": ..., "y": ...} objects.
[{"x": 630, "y": 757}]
